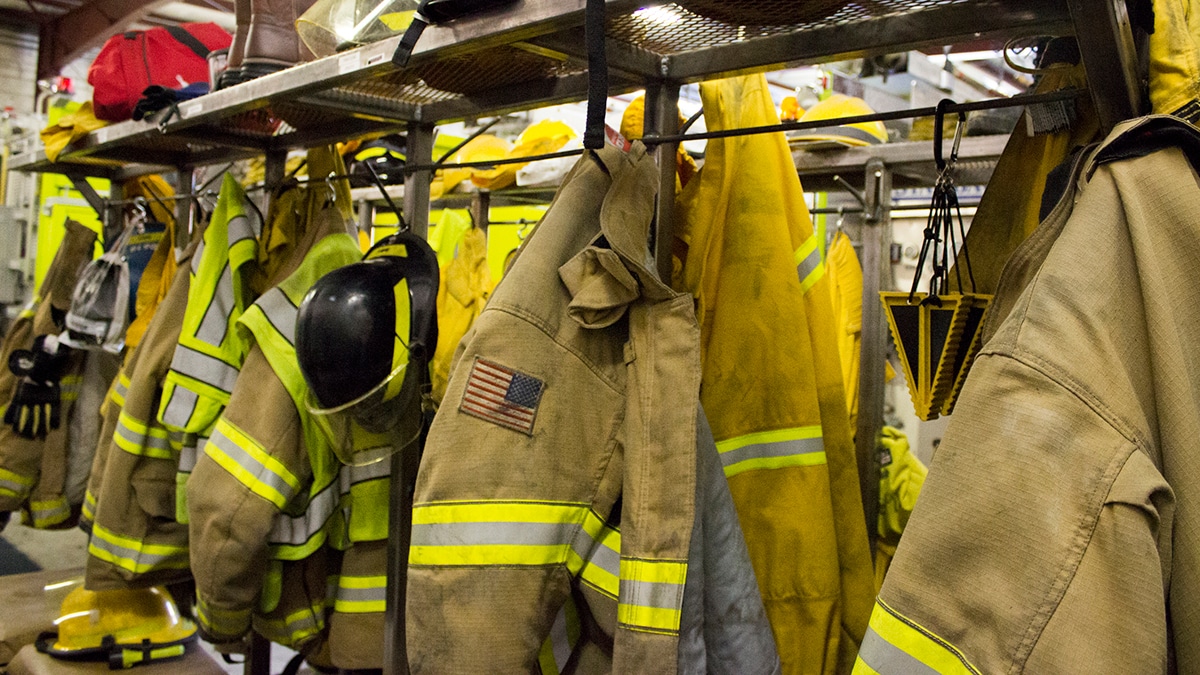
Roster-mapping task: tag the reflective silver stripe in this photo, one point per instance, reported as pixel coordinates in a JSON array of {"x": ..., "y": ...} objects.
[
  {"x": 271, "y": 630},
  {"x": 189, "y": 454},
  {"x": 140, "y": 559},
  {"x": 240, "y": 228},
  {"x": 220, "y": 307},
  {"x": 180, "y": 408},
  {"x": 280, "y": 311},
  {"x": 349, "y": 476},
  {"x": 809, "y": 264},
  {"x": 13, "y": 486},
  {"x": 141, "y": 440},
  {"x": 494, "y": 534},
  {"x": 560, "y": 640},
  {"x": 373, "y": 594},
  {"x": 43, "y": 515},
  {"x": 604, "y": 557},
  {"x": 800, "y": 446},
  {"x": 886, "y": 658},
  {"x": 251, "y": 465},
  {"x": 197, "y": 257},
  {"x": 296, "y": 530},
  {"x": 70, "y": 386},
  {"x": 121, "y": 390},
  {"x": 207, "y": 369},
  {"x": 651, "y": 594}
]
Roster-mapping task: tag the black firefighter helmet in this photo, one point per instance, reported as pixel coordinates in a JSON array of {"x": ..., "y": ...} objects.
[{"x": 364, "y": 336}]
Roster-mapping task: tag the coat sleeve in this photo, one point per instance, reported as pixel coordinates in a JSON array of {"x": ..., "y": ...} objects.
[
  {"x": 1039, "y": 542},
  {"x": 250, "y": 470}
]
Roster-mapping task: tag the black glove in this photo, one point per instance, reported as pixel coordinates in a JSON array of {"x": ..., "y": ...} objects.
[{"x": 36, "y": 406}]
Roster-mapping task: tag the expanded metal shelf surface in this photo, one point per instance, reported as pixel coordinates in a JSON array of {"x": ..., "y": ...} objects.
[
  {"x": 525, "y": 57},
  {"x": 673, "y": 28}
]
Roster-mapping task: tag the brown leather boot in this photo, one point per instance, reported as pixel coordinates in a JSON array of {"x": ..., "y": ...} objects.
[
  {"x": 237, "y": 50},
  {"x": 272, "y": 42}
]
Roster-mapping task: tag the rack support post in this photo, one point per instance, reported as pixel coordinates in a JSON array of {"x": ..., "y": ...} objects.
[
  {"x": 481, "y": 209},
  {"x": 416, "y": 185},
  {"x": 1110, "y": 58},
  {"x": 258, "y": 656},
  {"x": 404, "y": 462},
  {"x": 876, "y": 237},
  {"x": 186, "y": 180},
  {"x": 662, "y": 119}
]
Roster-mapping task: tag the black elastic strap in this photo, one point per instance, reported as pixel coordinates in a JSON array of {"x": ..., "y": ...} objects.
[
  {"x": 404, "y": 50},
  {"x": 293, "y": 666},
  {"x": 188, "y": 40},
  {"x": 593, "y": 29}
]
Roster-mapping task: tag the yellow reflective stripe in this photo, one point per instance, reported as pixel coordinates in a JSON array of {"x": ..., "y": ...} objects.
[
  {"x": 222, "y": 622},
  {"x": 49, "y": 513},
  {"x": 861, "y": 668},
  {"x": 560, "y": 644},
  {"x": 602, "y": 569},
  {"x": 897, "y": 644},
  {"x": 809, "y": 265},
  {"x": 651, "y": 597},
  {"x": 503, "y": 533},
  {"x": 15, "y": 485},
  {"x": 137, "y": 438},
  {"x": 294, "y": 627},
  {"x": 121, "y": 390},
  {"x": 248, "y": 461},
  {"x": 272, "y": 322},
  {"x": 361, "y": 595},
  {"x": 800, "y": 446},
  {"x": 89, "y": 505},
  {"x": 133, "y": 555},
  {"x": 69, "y": 387},
  {"x": 132, "y": 657}
]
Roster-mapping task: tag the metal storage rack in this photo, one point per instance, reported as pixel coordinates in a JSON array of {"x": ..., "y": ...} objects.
[{"x": 533, "y": 54}]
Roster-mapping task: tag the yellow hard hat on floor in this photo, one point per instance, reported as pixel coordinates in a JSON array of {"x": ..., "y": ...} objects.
[
  {"x": 124, "y": 627},
  {"x": 836, "y": 107}
]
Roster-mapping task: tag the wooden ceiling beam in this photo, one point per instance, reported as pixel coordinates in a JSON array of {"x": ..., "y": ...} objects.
[{"x": 66, "y": 37}]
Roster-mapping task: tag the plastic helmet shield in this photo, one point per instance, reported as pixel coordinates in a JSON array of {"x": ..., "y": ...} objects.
[{"x": 358, "y": 331}]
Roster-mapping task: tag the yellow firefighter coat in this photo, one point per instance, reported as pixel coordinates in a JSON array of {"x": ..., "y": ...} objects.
[
  {"x": 772, "y": 382},
  {"x": 466, "y": 283}
]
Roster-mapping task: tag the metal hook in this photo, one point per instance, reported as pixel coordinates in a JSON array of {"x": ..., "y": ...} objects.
[
  {"x": 939, "y": 120},
  {"x": 841, "y": 219}
]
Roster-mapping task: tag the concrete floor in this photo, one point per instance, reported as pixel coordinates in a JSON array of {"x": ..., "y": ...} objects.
[{"x": 50, "y": 549}]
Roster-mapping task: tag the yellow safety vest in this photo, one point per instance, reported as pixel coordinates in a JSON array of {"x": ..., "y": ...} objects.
[
  {"x": 211, "y": 350},
  {"x": 344, "y": 504}
]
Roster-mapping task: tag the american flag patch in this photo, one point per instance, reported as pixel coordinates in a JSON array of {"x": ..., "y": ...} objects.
[{"x": 502, "y": 396}]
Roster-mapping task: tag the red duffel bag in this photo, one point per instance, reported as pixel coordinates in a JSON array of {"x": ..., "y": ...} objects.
[{"x": 172, "y": 57}]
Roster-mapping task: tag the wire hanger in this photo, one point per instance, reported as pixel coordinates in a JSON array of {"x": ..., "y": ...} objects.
[{"x": 388, "y": 198}]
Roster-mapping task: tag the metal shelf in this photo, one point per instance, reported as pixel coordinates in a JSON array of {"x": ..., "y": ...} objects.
[
  {"x": 911, "y": 163},
  {"x": 519, "y": 59}
]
